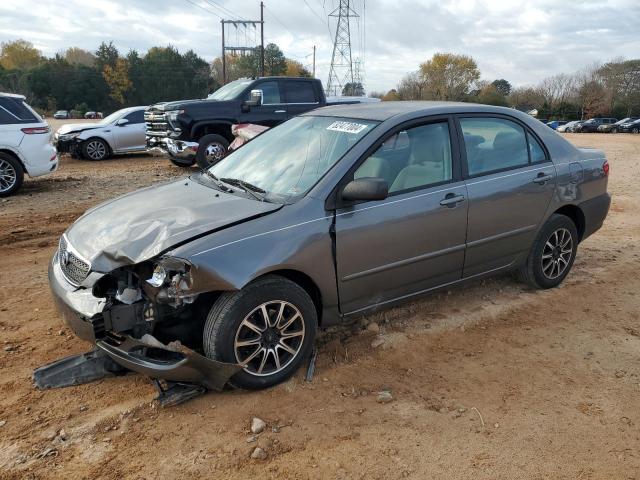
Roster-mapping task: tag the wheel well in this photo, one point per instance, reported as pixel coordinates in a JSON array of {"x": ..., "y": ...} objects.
[
  {"x": 576, "y": 215},
  {"x": 307, "y": 284},
  {"x": 219, "y": 128},
  {"x": 14, "y": 155}
]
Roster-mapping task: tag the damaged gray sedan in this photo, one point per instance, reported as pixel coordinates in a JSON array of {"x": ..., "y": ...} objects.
[{"x": 225, "y": 276}]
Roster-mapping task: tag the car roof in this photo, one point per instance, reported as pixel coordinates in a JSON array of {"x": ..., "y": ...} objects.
[
  {"x": 382, "y": 111},
  {"x": 12, "y": 95}
]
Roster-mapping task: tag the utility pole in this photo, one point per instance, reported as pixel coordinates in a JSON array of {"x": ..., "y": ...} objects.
[
  {"x": 314, "y": 61},
  {"x": 262, "y": 39},
  {"x": 341, "y": 70},
  {"x": 224, "y": 57}
]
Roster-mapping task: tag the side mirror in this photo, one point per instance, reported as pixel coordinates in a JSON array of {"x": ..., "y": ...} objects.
[
  {"x": 122, "y": 122},
  {"x": 255, "y": 98},
  {"x": 362, "y": 189}
]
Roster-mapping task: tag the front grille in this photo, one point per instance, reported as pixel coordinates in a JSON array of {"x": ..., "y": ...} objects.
[
  {"x": 73, "y": 268},
  {"x": 156, "y": 123}
]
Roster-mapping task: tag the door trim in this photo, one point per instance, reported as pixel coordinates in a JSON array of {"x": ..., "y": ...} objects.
[{"x": 502, "y": 235}]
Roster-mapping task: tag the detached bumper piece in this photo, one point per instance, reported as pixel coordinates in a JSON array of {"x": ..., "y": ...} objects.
[{"x": 179, "y": 373}]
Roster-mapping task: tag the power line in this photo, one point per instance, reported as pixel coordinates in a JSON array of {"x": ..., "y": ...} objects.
[
  {"x": 268, "y": 10},
  {"x": 203, "y": 8}
]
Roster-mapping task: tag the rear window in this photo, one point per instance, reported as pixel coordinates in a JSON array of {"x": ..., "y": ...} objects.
[
  {"x": 15, "y": 110},
  {"x": 300, "y": 92}
]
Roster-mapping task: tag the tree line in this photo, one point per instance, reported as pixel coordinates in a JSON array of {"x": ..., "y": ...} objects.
[
  {"x": 106, "y": 80},
  {"x": 609, "y": 89}
]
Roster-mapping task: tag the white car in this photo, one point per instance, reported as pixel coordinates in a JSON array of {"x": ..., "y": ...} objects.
[
  {"x": 25, "y": 144},
  {"x": 121, "y": 132}
]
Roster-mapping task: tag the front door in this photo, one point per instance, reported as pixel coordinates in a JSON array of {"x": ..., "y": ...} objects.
[
  {"x": 510, "y": 182},
  {"x": 131, "y": 135},
  {"x": 414, "y": 240},
  {"x": 273, "y": 109}
]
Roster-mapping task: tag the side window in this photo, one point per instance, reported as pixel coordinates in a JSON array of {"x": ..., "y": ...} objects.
[
  {"x": 14, "y": 110},
  {"x": 6, "y": 118},
  {"x": 136, "y": 117},
  {"x": 300, "y": 92},
  {"x": 270, "y": 92},
  {"x": 493, "y": 144},
  {"x": 536, "y": 152},
  {"x": 413, "y": 158}
]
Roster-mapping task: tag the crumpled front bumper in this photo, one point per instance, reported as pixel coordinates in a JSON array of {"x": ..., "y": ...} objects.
[
  {"x": 83, "y": 313},
  {"x": 176, "y": 148}
]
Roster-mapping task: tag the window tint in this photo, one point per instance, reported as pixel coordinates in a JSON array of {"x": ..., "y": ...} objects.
[
  {"x": 136, "y": 117},
  {"x": 300, "y": 92},
  {"x": 536, "y": 152},
  {"x": 270, "y": 92},
  {"x": 493, "y": 144},
  {"x": 416, "y": 157},
  {"x": 14, "y": 110}
]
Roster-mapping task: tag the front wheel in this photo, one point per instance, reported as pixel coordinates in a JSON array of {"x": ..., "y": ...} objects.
[
  {"x": 211, "y": 149},
  {"x": 552, "y": 254},
  {"x": 95, "y": 149},
  {"x": 268, "y": 327}
]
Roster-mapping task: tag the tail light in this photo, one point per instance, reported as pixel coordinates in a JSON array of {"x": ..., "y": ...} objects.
[
  {"x": 605, "y": 168},
  {"x": 35, "y": 130}
]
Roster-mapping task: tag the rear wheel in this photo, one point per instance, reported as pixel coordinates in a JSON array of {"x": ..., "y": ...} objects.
[
  {"x": 11, "y": 175},
  {"x": 635, "y": 130},
  {"x": 95, "y": 149},
  {"x": 211, "y": 149},
  {"x": 268, "y": 327},
  {"x": 552, "y": 254}
]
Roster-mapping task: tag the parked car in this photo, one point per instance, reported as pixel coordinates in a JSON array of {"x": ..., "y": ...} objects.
[
  {"x": 554, "y": 124},
  {"x": 25, "y": 144},
  {"x": 630, "y": 127},
  {"x": 121, "y": 132},
  {"x": 591, "y": 125},
  {"x": 613, "y": 127},
  {"x": 191, "y": 131},
  {"x": 315, "y": 221},
  {"x": 93, "y": 115},
  {"x": 62, "y": 115},
  {"x": 568, "y": 127}
]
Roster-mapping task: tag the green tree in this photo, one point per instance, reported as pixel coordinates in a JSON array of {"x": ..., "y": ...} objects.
[
  {"x": 19, "y": 55},
  {"x": 503, "y": 87},
  {"x": 448, "y": 76},
  {"x": 274, "y": 60},
  {"x": 106, "y": 54},
  {"x": 353, "y": 89}
]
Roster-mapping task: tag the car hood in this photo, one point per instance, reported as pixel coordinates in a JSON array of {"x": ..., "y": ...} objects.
[
  {"x": 192, "y": 104},
  {"x": 147, "y": 222},
  {"x": 77, "y": 127}
]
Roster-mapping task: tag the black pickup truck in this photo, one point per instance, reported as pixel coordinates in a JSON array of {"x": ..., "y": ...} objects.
[{"x": 200, "y": 130}]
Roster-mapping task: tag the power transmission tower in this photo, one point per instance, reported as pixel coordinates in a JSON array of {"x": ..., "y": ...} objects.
[{"x": 341, "y": 70}]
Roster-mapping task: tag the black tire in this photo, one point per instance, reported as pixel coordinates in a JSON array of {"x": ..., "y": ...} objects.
[
  {"x": 635, "y": 130},
  {"x": 95, "y": 149},
  {"x": 537, "y": 271},
  {"x": 614, "y": 130},
  {"x": 182, "y": 162},
  {"x": 225, "y": 324},
  {"x": 211, "y": 149},
  {"x": 11, "y": 174}
]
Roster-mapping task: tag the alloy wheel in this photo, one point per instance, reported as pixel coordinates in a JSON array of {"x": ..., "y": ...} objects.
[
  {"x": 269, "y": 338},
  {"x": 8, "y": 176},
  {"x": 556, "y": 253},
  {"x": 214, "y": 153},
  {"x": 96, "y": 150}
]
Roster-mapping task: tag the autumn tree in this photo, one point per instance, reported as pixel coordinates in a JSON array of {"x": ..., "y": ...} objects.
[
  {"x": 295, "y": 69},
  {"x": 19, "y": 55},
  {"x": 78, "y": 56},
  {"x": 448, "y": 76},
  {"x": 117, "y": 77}
]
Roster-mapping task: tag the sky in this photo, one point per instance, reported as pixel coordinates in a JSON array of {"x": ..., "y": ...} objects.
[{"x": 519, "y": 40}]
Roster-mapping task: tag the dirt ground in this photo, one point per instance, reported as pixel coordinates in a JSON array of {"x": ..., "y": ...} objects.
[{"x": 492, "y": 380}]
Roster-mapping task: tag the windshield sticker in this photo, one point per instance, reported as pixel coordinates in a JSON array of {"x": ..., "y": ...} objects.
[{"x": 347, "y": 127}]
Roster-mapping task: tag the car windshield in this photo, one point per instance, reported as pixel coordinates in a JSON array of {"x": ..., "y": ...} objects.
[
  {"x": 112, "y": 118},
  {"x": 286, "y": 161},
  {"x": 230, "y": 90}
]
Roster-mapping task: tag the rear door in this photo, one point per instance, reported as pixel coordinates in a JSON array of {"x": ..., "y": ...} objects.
[
  {"x": 510, "y": 182},
  {"x": 300, "y": 95},
  {"x": 414, "y": 240},
  {"x": 130, "y": 136},
  {"x": 273, "y": 109}
]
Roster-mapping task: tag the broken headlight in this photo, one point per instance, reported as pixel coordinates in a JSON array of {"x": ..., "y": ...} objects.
[
  {"x": 171, "y": 278},
  {"x": 68, "y": 136}
]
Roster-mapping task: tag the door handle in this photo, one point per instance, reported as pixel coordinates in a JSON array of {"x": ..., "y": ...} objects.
[
  {"x": 542, "y": 178},
  {"x": 280, "y": 111},
  {"x": 451, "y": 200}
]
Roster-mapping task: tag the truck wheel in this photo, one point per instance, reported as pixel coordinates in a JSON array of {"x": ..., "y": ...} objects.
[
  {"x": 11, "y": 175},
  {"x": 211, "y": 149},
  {"x": 552, "y": 254},
  {"x": 182, "y": 162},
  {"x": 95, "y": 149},
  {"x": 268, "y": 327}
]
